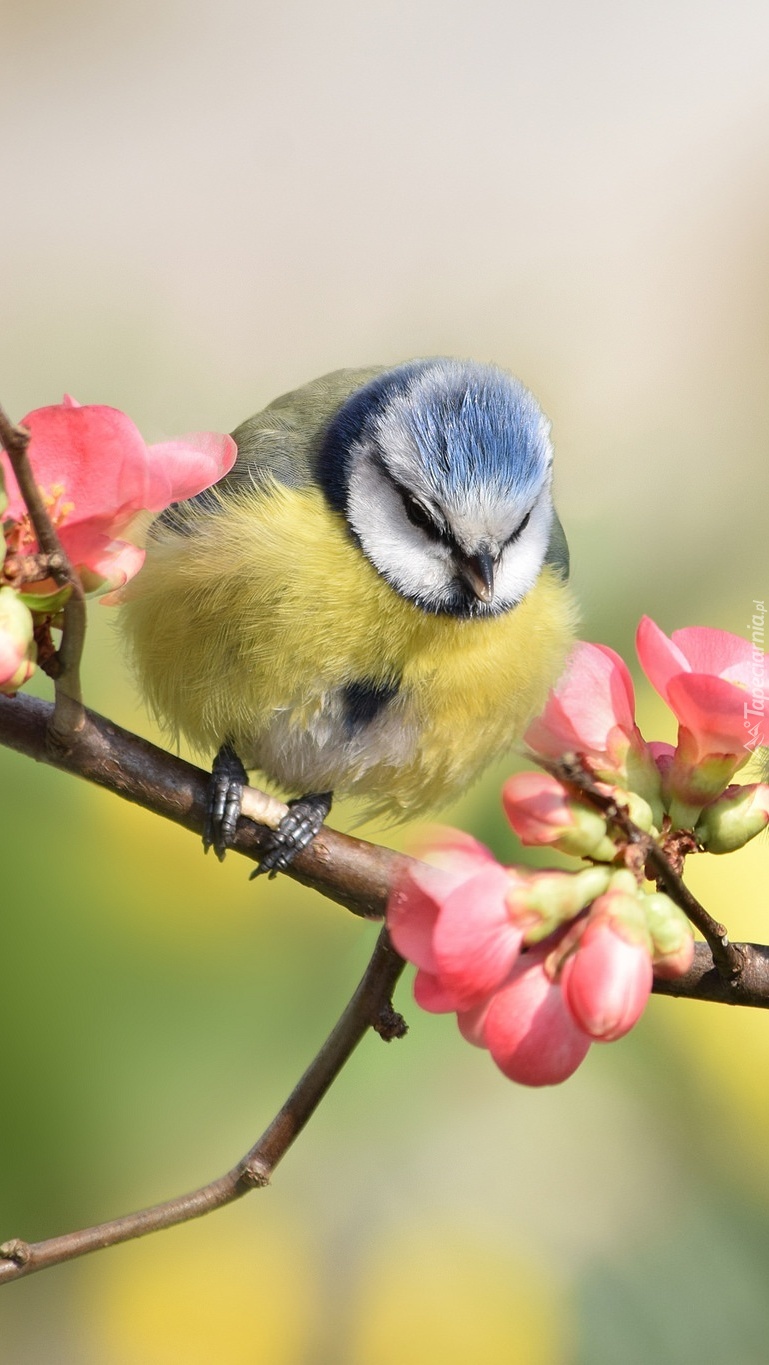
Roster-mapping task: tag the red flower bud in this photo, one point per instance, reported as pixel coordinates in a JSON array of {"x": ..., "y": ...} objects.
[{"x": 607, "y": 980}]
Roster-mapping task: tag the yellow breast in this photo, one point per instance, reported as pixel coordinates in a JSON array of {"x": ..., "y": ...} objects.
[{"x": 247, "y": 629}]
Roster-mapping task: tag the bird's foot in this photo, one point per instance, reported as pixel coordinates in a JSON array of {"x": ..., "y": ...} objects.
[
  {"x": 225, "y": 793},
  {"x": 296, "y": 830}
]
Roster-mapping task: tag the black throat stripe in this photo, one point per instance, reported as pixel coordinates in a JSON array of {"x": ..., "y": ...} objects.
[{"x": 364, "y": 699}]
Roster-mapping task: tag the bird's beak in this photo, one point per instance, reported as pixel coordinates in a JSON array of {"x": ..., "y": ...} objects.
[{"x": 477, "y": 572}]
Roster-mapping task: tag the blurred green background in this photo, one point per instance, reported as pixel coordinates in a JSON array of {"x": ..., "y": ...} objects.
[{"x": 203, "y": 206}]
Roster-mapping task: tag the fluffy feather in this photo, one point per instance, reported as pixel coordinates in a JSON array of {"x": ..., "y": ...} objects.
[{"x": 250, "y": 626}]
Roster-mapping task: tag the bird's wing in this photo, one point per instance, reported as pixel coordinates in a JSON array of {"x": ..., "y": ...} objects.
[
  {"x": 282, "y": 441},
  {"x": 558, "y": 549}
]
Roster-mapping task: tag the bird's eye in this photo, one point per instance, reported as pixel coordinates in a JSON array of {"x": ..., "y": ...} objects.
[
  {"x": 519, "y": 528},
  {"x": 419, "y": 516}
]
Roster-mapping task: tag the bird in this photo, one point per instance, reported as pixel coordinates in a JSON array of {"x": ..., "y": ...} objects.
[{"x": 372, "y": 603}]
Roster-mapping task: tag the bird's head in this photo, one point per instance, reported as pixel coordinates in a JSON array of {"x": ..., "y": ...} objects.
[{"x": 442, "y": 469}]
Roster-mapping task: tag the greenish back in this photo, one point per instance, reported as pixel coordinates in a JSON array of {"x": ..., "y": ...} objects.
[{"x": 283, "y": 439}]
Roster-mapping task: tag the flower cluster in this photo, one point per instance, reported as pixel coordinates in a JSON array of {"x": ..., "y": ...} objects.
[
  {"x": 539, "y": 964},
  {"x": 705, "y": 677},
  {"x": 101, "y": 484},
  {"x": 536, "y": 965}
]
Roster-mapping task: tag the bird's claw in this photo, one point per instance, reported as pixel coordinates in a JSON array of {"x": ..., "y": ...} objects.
[
  {"x": 225, "y": 794},
  {"x": 296, "y": 830}
]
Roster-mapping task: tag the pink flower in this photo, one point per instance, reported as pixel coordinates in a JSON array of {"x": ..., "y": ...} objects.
[
  {"x": 98, "y": 475},
  {"x": 17, "y": 646},
  {"x": 591, "y": 712},
  {"x": 607, "y": 979},
  {"x": 465, "y": 926},
  {"x": 456, "y": 927},
  {"x": 526, "y": 1026},
  {"x": 536, "y": 965},
  {"x": 707, "y": 677}
]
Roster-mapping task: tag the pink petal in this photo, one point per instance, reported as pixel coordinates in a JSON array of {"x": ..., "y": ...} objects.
[
  {"x": 607, "y": 981},
  {"x": 181, "y": 468},
  {"x": 537, "y": 807},
  {"x": 592, "y": 699},
  {"x": 431, "y": 996},
  {"x": 712, "y": 709},
  {"x": 660, "y": 751},
  {"x": 661, "y": 659},
  {"x": 111, "y": 563},
  {"x": 528, "y": 1030},
  {"x": 663, "y": 755},
  {"x": 95, "y": 452},
  {"x": 412, "y": 913},
  {"x": 716, "y": 651},
  {"x": 105, "y": 474},
  {"x": 472, "y": 1023},
  {"x": 454, "y": 852},
  {"x": 475, "y": 942}
]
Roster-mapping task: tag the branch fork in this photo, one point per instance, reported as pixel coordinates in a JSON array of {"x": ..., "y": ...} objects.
[
  {"x": 661, "y": 867},
  {"x": 68, "y": 715}
]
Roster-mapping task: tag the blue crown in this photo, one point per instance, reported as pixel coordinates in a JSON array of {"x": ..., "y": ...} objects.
[{"x": 470, "y": 425}]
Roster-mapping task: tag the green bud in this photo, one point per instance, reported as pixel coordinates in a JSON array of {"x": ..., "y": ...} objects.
[
  {"x": 671, "y": 934},
  {"x": 734, "y": 818},
  {"x": 588, "y": 837},
  {"x": 555, "y": 897},
  {"x": 624, "y": 880}
]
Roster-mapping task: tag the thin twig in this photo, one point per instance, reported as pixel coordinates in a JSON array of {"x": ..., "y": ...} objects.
[
  {"x": 572, "y": 773},
  {"x": 368, "y": 1006},
  {"x": 68, "y": 713}
]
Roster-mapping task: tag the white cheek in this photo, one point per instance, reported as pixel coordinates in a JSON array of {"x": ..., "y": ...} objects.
[
  {"x": 521, "y": 563},
  {"x": 398, "y": 550}
]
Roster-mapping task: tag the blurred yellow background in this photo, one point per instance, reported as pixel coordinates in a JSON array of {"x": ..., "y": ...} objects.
[{"x": 203, "y": 206}]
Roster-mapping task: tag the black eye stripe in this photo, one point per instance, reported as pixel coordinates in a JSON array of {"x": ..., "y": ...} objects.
[
  {"x": 423, "y": 518},
  {"x": 519, "y": 528},
  {"x": 420, "y": 517}
]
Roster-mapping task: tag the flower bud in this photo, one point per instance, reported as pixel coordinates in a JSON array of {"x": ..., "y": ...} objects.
[
  {"x": 529, "y": 1032},
  {"x": 545, "y": 900},
  {"x": 17, "y": 646},
  {"x": 671, "y": 934},
  {"x": 607, "y": 979},
  {"x": 734, "y": 818},
  {"x": 541, "y": 811},
  {"x": 639, "y": 810}
]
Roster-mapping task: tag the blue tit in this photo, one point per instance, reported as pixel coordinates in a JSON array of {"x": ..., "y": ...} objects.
[{"x": 373, "y": 602}]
